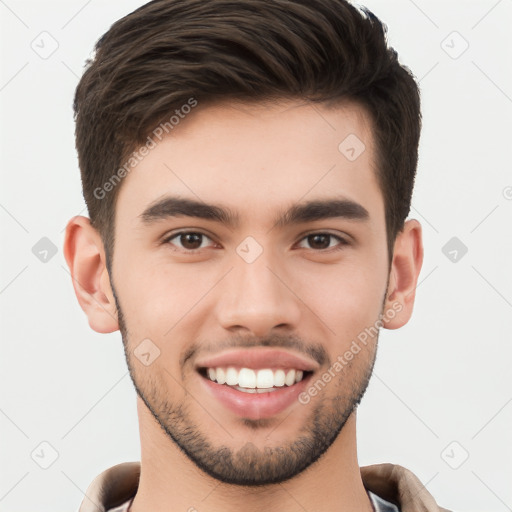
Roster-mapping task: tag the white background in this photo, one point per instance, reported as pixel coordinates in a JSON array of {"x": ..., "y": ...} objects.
[{"x": 443, "y": 378}]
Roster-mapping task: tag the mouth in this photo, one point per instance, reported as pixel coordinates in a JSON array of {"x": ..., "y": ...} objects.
[
  {"x": 254, "y": 393},
  {"x": 249, "y": 380}
]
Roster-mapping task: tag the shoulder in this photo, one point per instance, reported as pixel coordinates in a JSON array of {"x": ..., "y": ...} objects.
[{"x": 400, "y": 487}]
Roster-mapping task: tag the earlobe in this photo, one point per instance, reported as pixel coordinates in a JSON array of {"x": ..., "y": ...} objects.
[
  {"x": 85, "y": 256},
  {"x": 403, "y": 279}
]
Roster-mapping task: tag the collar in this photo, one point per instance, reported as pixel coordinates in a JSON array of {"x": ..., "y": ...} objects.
[{"x": 385, "y": 482}]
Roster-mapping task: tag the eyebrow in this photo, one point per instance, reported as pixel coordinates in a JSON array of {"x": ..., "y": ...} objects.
[{"x": 320, "y": 209}]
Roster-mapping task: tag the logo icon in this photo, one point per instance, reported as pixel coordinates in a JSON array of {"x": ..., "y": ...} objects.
[
  {"x": 45, "y": 45},
  {"x": 249, "y": 250},
  {"x": 44, "y": 250},
  {"x": 454, "y": 249},
  {"x": 44, "y": 455},
  {"x": 352, "y": 147},
  {"x": 455, "y": 455},
  {"x": 454, "y": 45},
  {"x": 146, "y": 352}
]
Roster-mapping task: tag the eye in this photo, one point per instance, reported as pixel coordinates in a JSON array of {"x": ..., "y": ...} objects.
[
  {"x": 190, "y": 240},
  {"x": 322, "y": 241}
]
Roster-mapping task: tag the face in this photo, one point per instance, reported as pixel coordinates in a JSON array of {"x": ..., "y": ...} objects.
[{"x": 257, "y": 229}]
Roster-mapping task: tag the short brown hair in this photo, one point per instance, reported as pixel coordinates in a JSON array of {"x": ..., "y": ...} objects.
[{"x": 154, "y": 60}]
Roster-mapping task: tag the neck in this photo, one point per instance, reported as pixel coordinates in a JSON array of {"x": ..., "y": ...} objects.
[{"x": 171, "y": 481}]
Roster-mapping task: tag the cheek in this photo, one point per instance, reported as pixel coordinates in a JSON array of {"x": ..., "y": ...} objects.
[
  {"x": 155, "y": 289},
  {"x": 347, "y": 298}
]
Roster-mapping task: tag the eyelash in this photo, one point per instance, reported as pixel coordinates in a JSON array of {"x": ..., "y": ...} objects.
[{"x": 340, "y": 247}]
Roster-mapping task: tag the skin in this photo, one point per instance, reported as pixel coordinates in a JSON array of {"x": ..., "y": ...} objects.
[{"x": 256, "y": 159}]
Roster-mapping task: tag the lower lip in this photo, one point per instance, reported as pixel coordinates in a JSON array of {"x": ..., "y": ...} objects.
[{"x": 256, "y": 406}]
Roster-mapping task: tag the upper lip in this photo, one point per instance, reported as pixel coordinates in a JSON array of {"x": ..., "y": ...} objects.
[{"x": 258, "y": 358}]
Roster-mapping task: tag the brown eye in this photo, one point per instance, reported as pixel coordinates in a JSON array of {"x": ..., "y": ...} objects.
[
  {"x": 187, "y": 240},
  {"x": 319, "y": 241},
  {"x": 322, "y": 241},
  {"x": 191, "y": 240}
]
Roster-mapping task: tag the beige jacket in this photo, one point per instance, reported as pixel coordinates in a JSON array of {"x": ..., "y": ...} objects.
[{"x": 393, "y": 483}]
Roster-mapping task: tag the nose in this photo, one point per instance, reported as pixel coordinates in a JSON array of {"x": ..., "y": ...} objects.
[{"x": 258, "y": 297}]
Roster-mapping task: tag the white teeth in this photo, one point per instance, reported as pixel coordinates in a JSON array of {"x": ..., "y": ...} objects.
[
  {"x": 279, "y": 377},
  {"x": 290, "y": 378},
  {"x": 249, "y": 379},
  {"x": 264, "y": 379},
  {"x": 231, "y": 376},
  {"x": 220, "y": 375},
  {"x": 255, "y": 390}
]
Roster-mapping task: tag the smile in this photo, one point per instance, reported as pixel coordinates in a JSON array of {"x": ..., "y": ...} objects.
[{"x": 254, "y": 393}]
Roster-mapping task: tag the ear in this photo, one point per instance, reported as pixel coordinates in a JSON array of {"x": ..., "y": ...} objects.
[
  {"x": 85, "y": 256},
  {"x": 403, "y": 278}
]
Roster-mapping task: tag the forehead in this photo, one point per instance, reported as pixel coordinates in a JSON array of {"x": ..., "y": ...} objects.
[{"x": 257, "y": 158}]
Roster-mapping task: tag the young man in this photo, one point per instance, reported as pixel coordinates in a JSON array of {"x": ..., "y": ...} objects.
[{"x": 248, "y": 168}]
